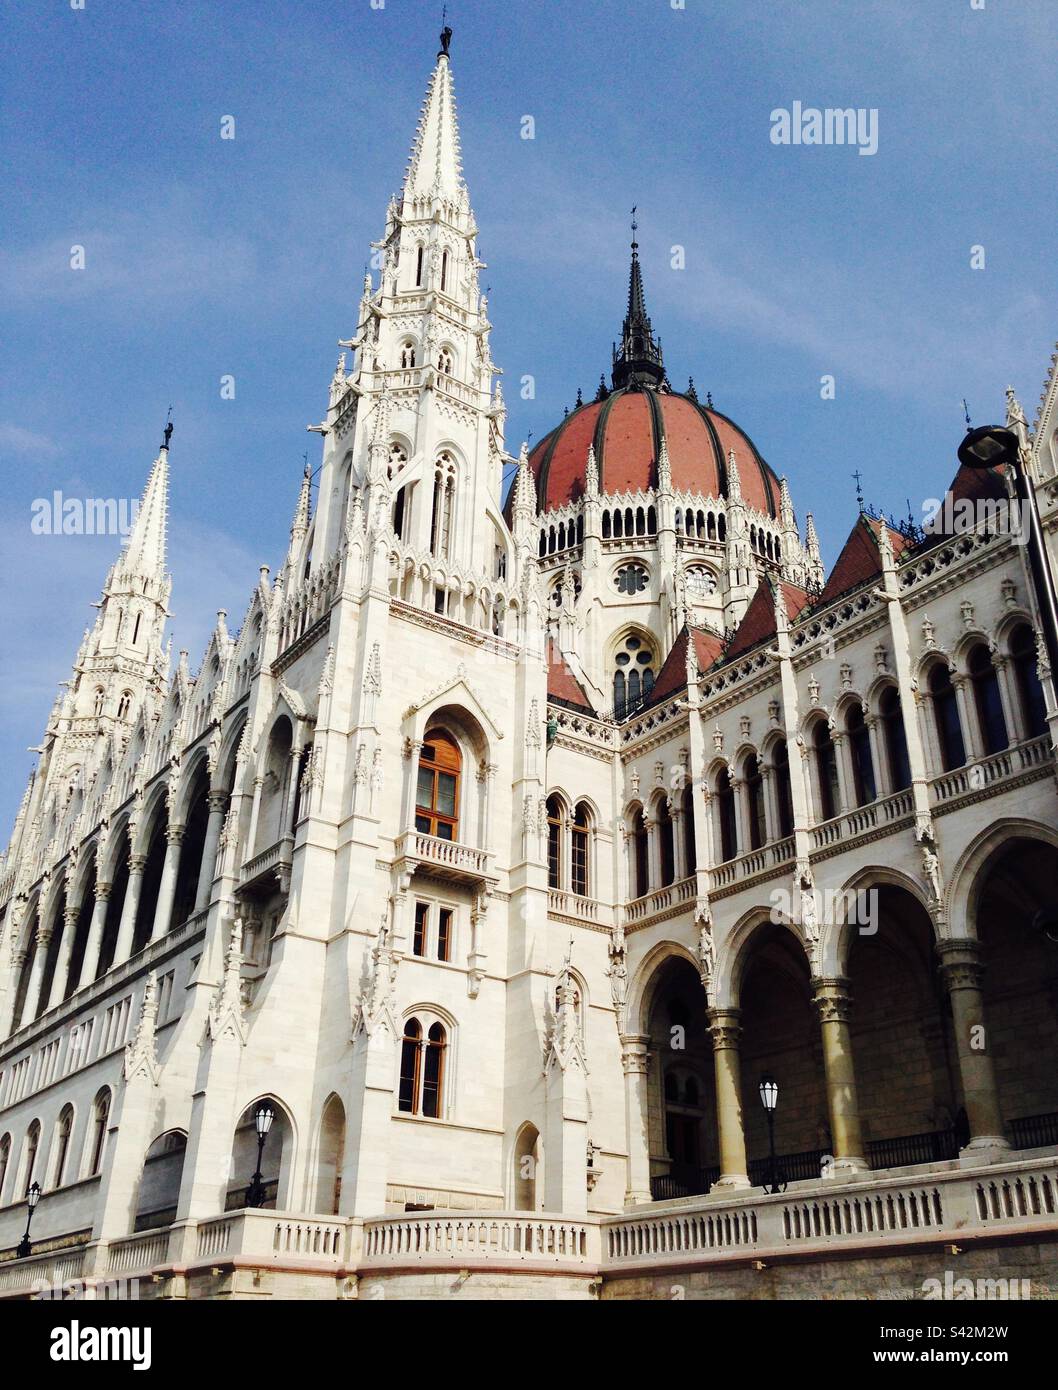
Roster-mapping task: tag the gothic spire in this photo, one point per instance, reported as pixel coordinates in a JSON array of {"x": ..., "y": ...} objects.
[
  {"x": 435, "y": 168},
  {"x": 638, "y": 361},
  {"x": 144, "y": 556}
]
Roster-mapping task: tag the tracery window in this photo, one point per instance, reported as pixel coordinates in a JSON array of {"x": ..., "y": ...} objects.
[
  {"x": 946, "y": 717},
  {"x": 1026, "y": 675},
  {"x": 988, "y": 700},
  {"x": 631, "y": 579},
  {"x": 422, "y": 1069},
  {"x": 826, "y": 770},
  {"x": 892, "y": 718},
  {"x": 634, "y": 677},
  {"x": 407, "y": 355},
  {"x": 579, "y": 868},
  {"x": 443, "y": 506},
  {"x": 701, "y": 581},
  {"x": 862, "y": 761},
  {"x": 444, "y": 362}
]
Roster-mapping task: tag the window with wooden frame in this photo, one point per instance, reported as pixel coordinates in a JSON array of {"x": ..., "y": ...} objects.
[
  {"x": 554, "y": 842},
  {"x": 444, "y": 932},
  {"x": 437, "y": 789},
  {"x": 422, "y": 1069},
  {"x": 579, "y": 875},
  {"x": 422, "y": 917}
]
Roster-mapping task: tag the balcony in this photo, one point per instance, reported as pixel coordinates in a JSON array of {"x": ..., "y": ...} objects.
[
  {"x": 1013, "y": 767},
  {"x": 877, "y": 818},
  {"x": 268, "y": 871},
  {"x": 756, "y": 863},
  {"x": 662, "y": 902},
  {"x": 572, "y": 907},
  {"x": 445, "y": 859}
]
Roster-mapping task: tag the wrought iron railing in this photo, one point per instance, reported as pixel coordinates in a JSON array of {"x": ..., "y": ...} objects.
[
  {"x": 934, "y": 1147},
  {"x": 1034, "y": 1131}
]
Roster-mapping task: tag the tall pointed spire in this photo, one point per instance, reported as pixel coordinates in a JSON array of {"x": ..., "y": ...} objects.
[
  {"x": 435, "y": 167},
  {"x": 144, "y": 556},
  {"x": 638, "y": 361}
]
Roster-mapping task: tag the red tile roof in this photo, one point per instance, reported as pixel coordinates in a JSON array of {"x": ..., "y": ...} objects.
[
  {"x": 758, "y": 621},
  {"x": 708, "y": 647},
  {"x": 860, "y": 558},
  {"x": 562, "y": 684}
]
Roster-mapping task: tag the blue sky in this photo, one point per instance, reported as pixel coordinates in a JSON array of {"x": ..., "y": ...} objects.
[{"x": 206, "y": 257}]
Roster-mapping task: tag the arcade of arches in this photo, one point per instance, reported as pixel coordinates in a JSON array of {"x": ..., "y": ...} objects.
[{"x": 920, "y": 1049}]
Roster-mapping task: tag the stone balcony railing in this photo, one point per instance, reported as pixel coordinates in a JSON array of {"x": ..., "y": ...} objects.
[
  {"x": 445, "y": 858},
  {"x": 992, "y": 774},
  {"x": 874, "y": 1214},
  {"x": 661, "y": 901},
  {"x": 574, "y": 907},
  {"x": 876, "y": 818},
  {"x": 767, "y": 860}
]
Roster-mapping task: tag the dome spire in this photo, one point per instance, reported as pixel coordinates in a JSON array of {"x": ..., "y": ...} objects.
[{"x": 638, "y": 361}]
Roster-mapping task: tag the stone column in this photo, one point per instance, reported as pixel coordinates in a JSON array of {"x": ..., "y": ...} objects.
[
  {"x": 741, "y": 794},
  {"x": 846, "y": 780},
  {"x": 771, "y": 803},
  {"x": 726, "y": 1031},
  {"x": 90, "y": 963},
  {"x": 634, "y": 1061},
  {"x": 62, "y": 963},
  {"x": 879, "y": 761},
  {"x": 679, "y": 846},
  {"x": 218, "y": 805},
  {"x": 971, "y": 735},
  {"x": 137, "y": 864},
  {"x": 255, "y": 813},
  {"x": 9, "y": 1022},
  {"x": 961, "y": 971},
  {"x": 834, "y": 1002},
  {"x": 1009, "y": 697},
  {"x": 163, "y": 909},
  {"x": 36, "y": 974},
  {"x": 653, "y": 854}
]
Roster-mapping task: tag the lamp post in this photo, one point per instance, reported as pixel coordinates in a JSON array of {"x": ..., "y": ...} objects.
[
  {"x": 25, "y": 1246},
  {"x": 769, "y": 1098},
  {"x": 991, "y": 446},
  {"x": 255, "y": 1193}
]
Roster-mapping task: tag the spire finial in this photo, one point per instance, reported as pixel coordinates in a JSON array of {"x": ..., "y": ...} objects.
[
  {"x": 859, "y": 488},
  {"x": 637, "y": 361},
  {"x": 446, "y": 33},
  {"x": 167, "y": 433},
  {"x": 966, "y": 414}
]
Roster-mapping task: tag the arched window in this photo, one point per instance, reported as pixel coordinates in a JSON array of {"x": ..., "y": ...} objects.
[
  {"x": 418, "y": 266},
  {"x": 862, "y": 762},
  {"x": 125, "y": 704},
  {"x": 100, "y": 1120},
  {"x": 1026, "y": 675},
  {"x": 726, "y": 810},
  {"x": 758, "y": 831},
  {"x": 422, "y": 1069},
  {"x": 946, "y": 715},
  {"x": 411, "y": 1045},
  {"x": 554, "y": 842},
  {"x": 633, "y": 678},
  {"x": 5, "y": 1163},
  {"x": 444, "y": 489},
  {"x": 631, "y": 579},
  {"x": 665, "y": 843},
  {"x": 640, "y": 855},
  {"x": 826, "y": 770},
  {"x": 62, "y": 1145},
  {"x": 580, "y": 877},
  {"x": 100, "y": 700},
  {"x": 32, "y": 1149},
  {"x": 437, "y": 789},
  {"x": 690, "y": 852},
  {"x": 989, "y": 702},
  {"x": 783, "y": 790},
  {"x": 407, "y": 355},
  {"x": 444, "y": 271},
  {"x": 444, "y": 361},
  {"x": 895, "y": 739},
  {"x": 434, "y": 1070},
  {"x": 400, "y": 512}
]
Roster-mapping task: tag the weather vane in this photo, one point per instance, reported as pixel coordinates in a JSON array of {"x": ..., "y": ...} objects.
[
  {"x": 635, "y": 224},
  {"x": 966, "y": 414},
  {"x": 859, "y": 490},
  {"x": 168, "y": 433}
]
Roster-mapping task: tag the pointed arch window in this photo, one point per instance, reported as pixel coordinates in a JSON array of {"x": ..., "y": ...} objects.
[
  {"x": 443, "y": 505},
  {"x": 422, "y": 1069},
  {"x": 125, "y": 704},
  {"x": 100, "y": 1120},
  {"x": 418, "y": 266},
  {"x": 690, "y": 849},
  {"x": 989, "y": 702},
  {"x": 895, "y": 739},
  {"x": 32, "y": 1149},
  {"x": 580, "y": 877},
  {"x": 633, "y": 678},
  {"x": 437, "y": 788},
  {"x": 5, "y": 1163},
  {"x": 554, "y": 842},
  {"x": 62, "y": 1145},
  {"x": 862, "y": 761},
  {"x": 640, "y": 855},
  {"x": 1026, "y": 675},
  {"x": 665, "y": 843},
  {"x": 758, "y": 832},
  {"x": 444, "y": 272},
  {"x": 100, "y": 700},
  {"x": 445, "y": 361},
  {"x": 728, "y": 813},
  {"x": 407, "y": 355},
  {"x": 783, "y": 790},
  {"x": 826, "y": 770},
  {"x": 946, "y": 717}
]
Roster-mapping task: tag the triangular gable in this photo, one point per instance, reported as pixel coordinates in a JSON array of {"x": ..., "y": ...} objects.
[
  {"x": 861, "y": 557},
  {"x": 562, "y": 684},
  {"x": 708, "y": 647}
]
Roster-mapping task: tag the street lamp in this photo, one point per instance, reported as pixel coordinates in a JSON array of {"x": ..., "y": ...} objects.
[
  {"x": 255, "y": 1193},
  {"x": 991, "y": 446},
  {"x": 25, "y": 1246},
  {"x": 769, "y": 1098}
]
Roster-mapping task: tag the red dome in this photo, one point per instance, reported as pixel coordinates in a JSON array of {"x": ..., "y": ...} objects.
[{"x": 627, "y": 429}]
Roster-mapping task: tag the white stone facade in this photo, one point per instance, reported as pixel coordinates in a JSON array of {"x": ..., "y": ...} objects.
[{"x": 222, "y": 889}]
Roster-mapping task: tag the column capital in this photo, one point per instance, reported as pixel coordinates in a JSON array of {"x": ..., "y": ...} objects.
[
  {"x": 833, "y": 999},
  {"x": 174, "y": 834},
  {"x": 634, "y": 1049},
  {"x": 960, "y": 962},
  {"x": 725, "y": 1027},
  {"x": 137, "y": 863},
  {"x": 217, "y": 801},
  {"x": 103, "y": 888}
]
